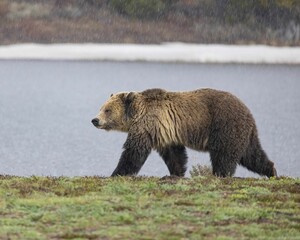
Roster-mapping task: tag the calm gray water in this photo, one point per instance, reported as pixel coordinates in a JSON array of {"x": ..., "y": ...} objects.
[{"x": 46, "y": 108}]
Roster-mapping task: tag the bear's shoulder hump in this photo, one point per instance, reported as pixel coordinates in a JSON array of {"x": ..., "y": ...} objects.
[{"x": 154, "y": 93}]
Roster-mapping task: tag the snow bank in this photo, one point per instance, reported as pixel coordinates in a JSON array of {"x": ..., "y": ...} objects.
[{"x": 169, "y": 52}]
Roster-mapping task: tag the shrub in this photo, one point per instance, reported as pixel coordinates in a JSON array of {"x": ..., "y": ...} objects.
[
  {"x": 4, "y": 9},
  {"x": 141, "y": 8},
  {"x": 268, "y": 12},
  {"x": 199, "y": 170}
]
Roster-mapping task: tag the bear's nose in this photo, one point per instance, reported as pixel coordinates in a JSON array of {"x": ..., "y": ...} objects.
[{"x": 95, "y": 121}]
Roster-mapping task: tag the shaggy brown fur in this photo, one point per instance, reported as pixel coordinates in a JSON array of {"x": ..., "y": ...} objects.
[{"x": 203, "y": 120}]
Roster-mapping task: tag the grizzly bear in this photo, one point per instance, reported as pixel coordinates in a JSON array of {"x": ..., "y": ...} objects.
[{"x": 168, "y": 122}]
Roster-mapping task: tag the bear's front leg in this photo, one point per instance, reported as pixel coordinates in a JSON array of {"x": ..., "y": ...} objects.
[
  {"x": 175, "y": 158},
  {"x": 136, "y": 150}
]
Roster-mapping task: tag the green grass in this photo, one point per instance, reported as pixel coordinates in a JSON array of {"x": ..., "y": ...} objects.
[{"x": 149, "y": 208}]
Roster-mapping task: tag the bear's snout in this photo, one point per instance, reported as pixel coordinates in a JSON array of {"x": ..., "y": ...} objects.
[{"x": 95, "y": 121}]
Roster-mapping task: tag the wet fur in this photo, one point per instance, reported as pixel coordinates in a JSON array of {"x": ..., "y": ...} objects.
[{"x": 203, "y": 120}]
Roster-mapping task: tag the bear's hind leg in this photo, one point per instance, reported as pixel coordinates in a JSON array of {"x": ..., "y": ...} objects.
[
  {"x": 256, "y": 160},
  {"x": 223, "y": 164},
  {"x": 175, "y": 158}
]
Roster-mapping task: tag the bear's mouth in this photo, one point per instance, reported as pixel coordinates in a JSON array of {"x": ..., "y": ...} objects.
[{"x": 104, "y": 127}]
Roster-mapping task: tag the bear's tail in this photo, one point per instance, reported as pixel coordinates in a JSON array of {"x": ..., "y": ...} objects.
[{"x": 256, "y": 160}]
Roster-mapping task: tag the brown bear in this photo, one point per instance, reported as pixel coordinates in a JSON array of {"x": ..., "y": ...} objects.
[{"x": 203, "y": 120}]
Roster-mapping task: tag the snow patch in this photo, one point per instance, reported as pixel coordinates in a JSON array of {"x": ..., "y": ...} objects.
[{"x": 168, "y": 52}]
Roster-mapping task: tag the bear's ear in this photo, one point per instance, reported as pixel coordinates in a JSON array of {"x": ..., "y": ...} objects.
[{"x": 129, "y": 111}]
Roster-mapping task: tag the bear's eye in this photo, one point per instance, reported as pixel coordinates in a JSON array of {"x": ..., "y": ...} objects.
[{"x": 107, "y": 111}]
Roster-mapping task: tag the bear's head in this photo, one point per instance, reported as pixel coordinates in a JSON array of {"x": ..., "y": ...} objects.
[{"x": 117, "y": 113}]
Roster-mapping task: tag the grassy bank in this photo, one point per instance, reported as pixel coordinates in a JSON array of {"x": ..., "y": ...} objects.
[{"x": 149, "y": 208}]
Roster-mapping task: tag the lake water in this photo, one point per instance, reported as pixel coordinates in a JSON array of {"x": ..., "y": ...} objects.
[{"x": 46, "y": 108}]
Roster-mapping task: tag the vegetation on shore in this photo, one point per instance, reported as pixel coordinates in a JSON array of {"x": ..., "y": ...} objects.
[
  {"x": 202, "y": 207},
  {"x": 273, "y": 22}
]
